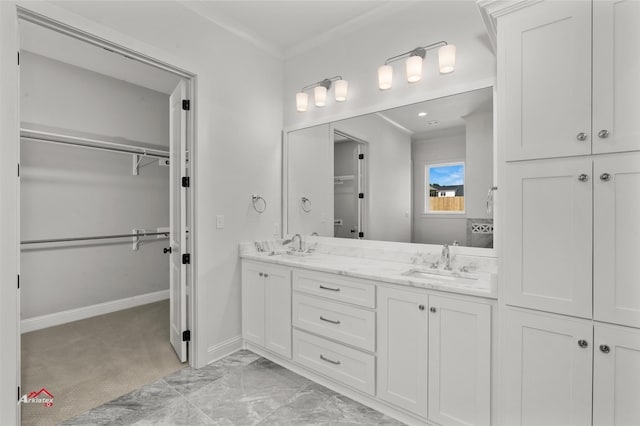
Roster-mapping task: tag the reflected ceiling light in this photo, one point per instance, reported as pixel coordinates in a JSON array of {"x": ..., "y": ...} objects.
[
  {"x": 320, "y": 90},
  {"x": 422, "y": 114},
  {"x": 415, "y": 57}
]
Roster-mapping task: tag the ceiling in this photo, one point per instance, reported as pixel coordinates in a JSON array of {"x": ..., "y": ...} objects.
[
  {"x": 42, "y": 41},
  {"x": 285, "y": 28},
  {"x": 448, "y": 112}
]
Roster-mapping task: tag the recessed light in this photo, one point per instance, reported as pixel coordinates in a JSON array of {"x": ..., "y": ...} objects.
[
  {"x": 422, "y": 114},
  {"x": 433, "y": 123}
]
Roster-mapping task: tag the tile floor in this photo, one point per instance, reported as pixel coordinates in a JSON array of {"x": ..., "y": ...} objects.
[{"x": 241, "y": 389}]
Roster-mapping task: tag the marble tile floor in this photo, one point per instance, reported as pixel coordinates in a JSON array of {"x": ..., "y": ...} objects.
[{"x": 241, "y": 389}]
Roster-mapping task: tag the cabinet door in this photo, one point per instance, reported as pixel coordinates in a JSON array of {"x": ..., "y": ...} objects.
[
  {"x": 548, "y": 236},
  {"x": 546, "y": 374},
  {"x": 617, "y": 239},
  {"x": 253, "y": 302},
  {"x": 459, "y": 362},
  {"x": 544, "y": 71},
  {"x": 616, "y": 66},
  {"x": 402, "y": 349},
  {"x": 616, "y": 381},
  {"x": 277, "y": 320}
]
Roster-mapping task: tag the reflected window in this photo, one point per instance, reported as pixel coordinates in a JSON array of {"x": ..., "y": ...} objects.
[{"x": 444, "y": 188}]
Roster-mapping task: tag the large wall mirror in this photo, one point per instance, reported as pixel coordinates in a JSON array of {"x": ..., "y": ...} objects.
[{"x": 421, "y": 173}]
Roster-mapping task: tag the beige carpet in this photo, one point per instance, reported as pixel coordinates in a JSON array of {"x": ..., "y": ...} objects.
[{"x": 89, "y": 362}]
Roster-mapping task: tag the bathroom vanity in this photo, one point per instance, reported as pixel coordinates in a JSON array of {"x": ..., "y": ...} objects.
[{"x": 379, "y": 323}]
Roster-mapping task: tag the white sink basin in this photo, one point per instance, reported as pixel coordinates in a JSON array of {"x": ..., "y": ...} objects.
[
  {"x": 294, "y": 254},
  {"x": 440, "y": 275}
]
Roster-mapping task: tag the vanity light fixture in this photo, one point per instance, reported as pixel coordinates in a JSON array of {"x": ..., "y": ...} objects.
[
  {"x": 320, "y": 90},
  {"x": 415, "y": 57}
]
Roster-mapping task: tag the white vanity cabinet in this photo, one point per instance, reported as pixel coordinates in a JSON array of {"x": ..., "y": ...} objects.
[
  {"x": 555, "y": 365},
  {"x": 546, "y": 62},
  {"x": 554, "y": 206},
  {"x": 403, "y": 348},
  {"x": 434, "y": 356},
  {"x": 266, "y": 306}
]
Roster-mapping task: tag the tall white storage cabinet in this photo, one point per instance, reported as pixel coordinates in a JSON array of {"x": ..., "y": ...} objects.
[{"x": 570, "y": 330}]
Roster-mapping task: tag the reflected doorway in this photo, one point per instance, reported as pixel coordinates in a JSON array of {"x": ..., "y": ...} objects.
[{"x": 349, "y": 182}]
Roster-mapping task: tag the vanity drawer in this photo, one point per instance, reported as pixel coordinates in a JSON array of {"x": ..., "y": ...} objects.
[
  {"x": 347, "y": 324},
  {"x": 349, "y": 366},
  {"x": 331, "y": 286}
]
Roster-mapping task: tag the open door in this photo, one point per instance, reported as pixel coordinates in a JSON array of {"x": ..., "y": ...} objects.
[{"x": 178, "y": 221}]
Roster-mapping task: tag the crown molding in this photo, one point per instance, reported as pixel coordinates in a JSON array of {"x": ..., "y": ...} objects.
[{"x": 491, "y": 10}]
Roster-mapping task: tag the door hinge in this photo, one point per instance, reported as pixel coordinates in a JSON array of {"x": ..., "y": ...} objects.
[
  {"x": 360, "y": 156},
  {"x": 186, "y": 182},
  {"x": 18, "y": 58},
  {"x": 19, "y": 396},
  {"x": 186, "y": 336},
  {"x": 361, "y": 195},
  {"x": 18, "y": 169},
  {"x": 361, "y": 234},
  {"x": 18, "y": 281},
  {"x": 186, "y": 259},
  {"x": 186, "y": 104}
]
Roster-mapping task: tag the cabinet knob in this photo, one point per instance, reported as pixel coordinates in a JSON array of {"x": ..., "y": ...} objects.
[
  {"x": 582, "y": 136},
  {"x": 421, "y": 307},
  {"x": 583, "y": 343},
  {"x": 261, "y": 274},
  {"x": 606, "y": 177},
  {"x": 266, "y": 275},
  {"x": 583, "y": 177},
  {"x": 603, "y": 134},
  {"x": 432, "y": 309},
  {"x": 605, "y": 349}
]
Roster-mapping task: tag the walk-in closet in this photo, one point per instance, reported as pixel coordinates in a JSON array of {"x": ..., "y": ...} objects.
[{"x": 95, "y": 222}]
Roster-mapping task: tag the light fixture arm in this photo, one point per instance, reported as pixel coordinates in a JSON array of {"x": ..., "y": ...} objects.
[
  {"x": 418, "y": 51},
  {"x": 326, "y": 83}
]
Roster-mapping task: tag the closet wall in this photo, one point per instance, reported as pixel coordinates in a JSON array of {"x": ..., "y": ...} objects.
[{"x": 68, "y": 191}]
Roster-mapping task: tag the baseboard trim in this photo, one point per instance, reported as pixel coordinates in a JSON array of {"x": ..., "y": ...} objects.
[
  {"x": 50, "y": 320},
  {"x": 223, "y": 349}
]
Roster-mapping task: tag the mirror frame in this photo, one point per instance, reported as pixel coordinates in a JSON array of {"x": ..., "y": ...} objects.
[{"x": 464, "y": 250}]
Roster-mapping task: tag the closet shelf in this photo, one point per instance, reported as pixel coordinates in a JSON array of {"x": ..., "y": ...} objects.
[{"x": 32, "y": 133}]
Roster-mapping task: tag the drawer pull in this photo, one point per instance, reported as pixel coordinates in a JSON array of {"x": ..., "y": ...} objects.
[
  {"x": 328, "y": 320},
  {"x": 329, "y": 288},
  {"x": 322, "y": 357}
]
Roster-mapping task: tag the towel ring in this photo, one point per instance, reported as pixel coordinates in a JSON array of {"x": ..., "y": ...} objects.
[
  {"x": 259, "y": 203},
  {"x": 306, "y": 204}
]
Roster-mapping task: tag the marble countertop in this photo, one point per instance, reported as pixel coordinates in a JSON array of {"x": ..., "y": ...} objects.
[{"x": 386, "y": 271}]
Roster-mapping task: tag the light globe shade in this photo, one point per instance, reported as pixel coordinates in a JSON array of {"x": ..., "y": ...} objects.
[
  {"x": 414, "y": 69},
  {"x": 447, "y": 58},
  {"x": 385, "y": 77},
  {"x": 302, "y": 101},
  {"x": 341, "y": 88},
  {"x": 320, "y": 95}
]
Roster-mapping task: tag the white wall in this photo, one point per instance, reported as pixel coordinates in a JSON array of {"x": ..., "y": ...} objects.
[
  {"x": 479, "y": 168},
  {"x": 69, "y": 191},
  {"x": 442, "y": 147},
  {"x": 388, "y": 174},
  {"x": 357, "y": 55}
]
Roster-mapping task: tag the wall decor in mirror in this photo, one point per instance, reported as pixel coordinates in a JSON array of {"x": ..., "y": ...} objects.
[{"x": 420, "y": 173}]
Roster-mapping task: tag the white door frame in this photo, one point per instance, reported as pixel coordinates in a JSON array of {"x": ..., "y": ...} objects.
[{"x": 10, "y": 14}]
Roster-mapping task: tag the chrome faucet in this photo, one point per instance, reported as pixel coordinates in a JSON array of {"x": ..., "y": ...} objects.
[
  {"x": 299, "y": 241},
  {"x": 446, "y": 257}
]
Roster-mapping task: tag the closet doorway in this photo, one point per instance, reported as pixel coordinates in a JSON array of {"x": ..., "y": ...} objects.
[
  {"x": 349, "y": 183},
  {"x": 105, "y": 165}
]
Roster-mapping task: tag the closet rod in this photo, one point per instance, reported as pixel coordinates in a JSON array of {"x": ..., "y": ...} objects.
[
  {"x": 100, "y": 237},
  {"x": 40, "y": 136}
]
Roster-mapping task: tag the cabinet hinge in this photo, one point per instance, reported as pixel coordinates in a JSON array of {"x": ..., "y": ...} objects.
[
  {"x": 186, "y": 182},
  {"x": 361, "y": 234},
  {"x": 186, "y": 104},
  {"x": 18, "y": 281},
  {"x": 19, "y": 396},
  {"x": 186, "y": 259},
  {"x": 361, "y": 195},
  {"x": 18, "y": 169},
  {"x": 360, "y": 156},
  {"x": 18, "y": 58},
  {"x": 186, "y": 336}
]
